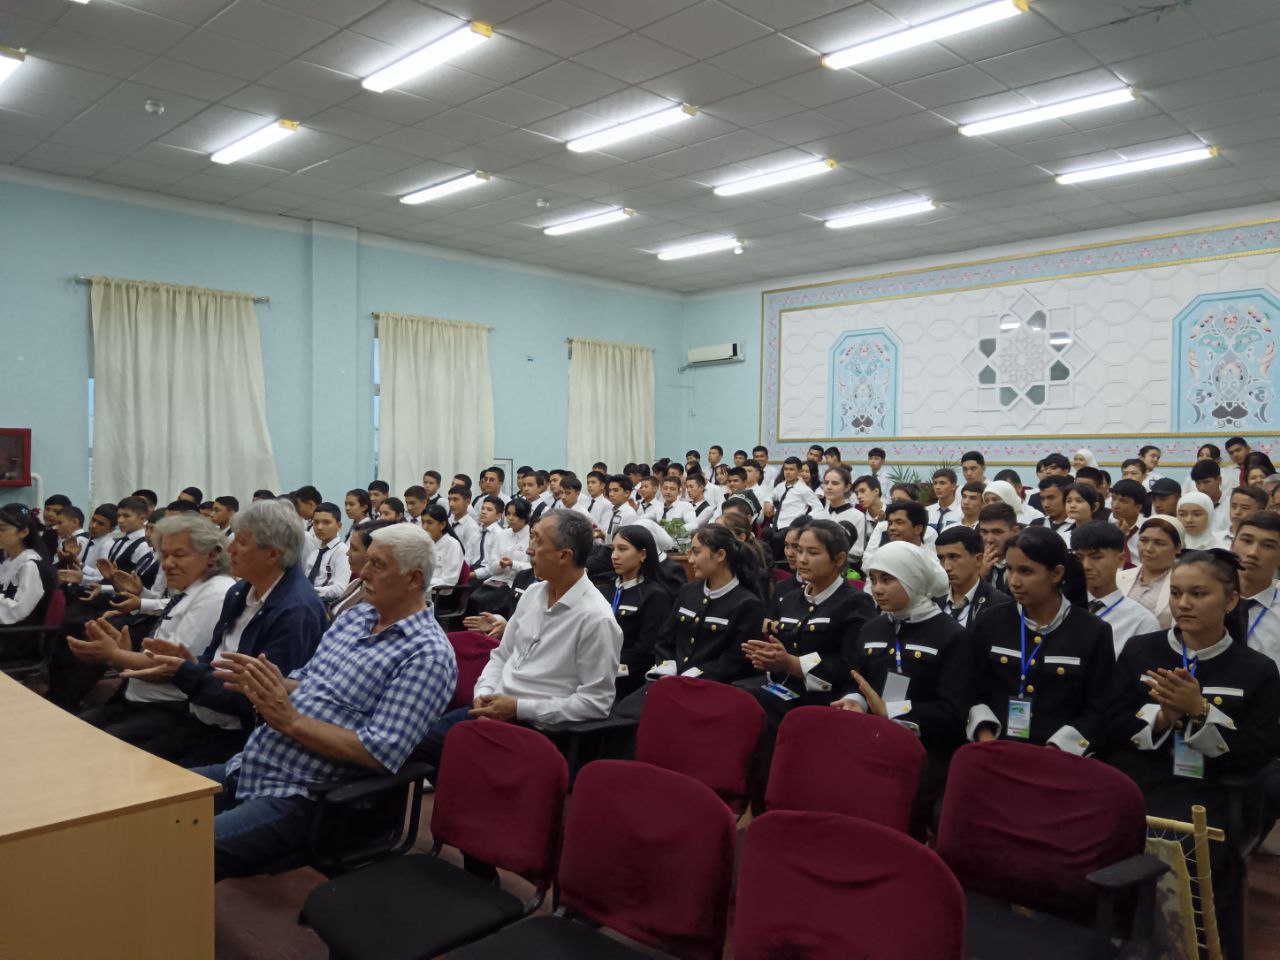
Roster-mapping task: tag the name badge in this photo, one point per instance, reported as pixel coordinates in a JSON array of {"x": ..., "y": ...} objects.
[
  {"x": 1187, "y": 761},
  {"x": 1018, "y": 725},
  {"x": 781, "y": 692},
  {"x": 895, "y": 687}
]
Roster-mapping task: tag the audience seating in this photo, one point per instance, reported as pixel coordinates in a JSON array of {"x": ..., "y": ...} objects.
[
  {"x": 499, "y": 799},
  {"x": 837, "y": 761},
  {"x": 648, "y": 853},
  {"x": 822, "y": 886},
  {"x": 451, "y": 607},
  {"x": 709, "y": 731},
  {"x": 1059, "y": 834},
  {"x": 22, "y": 664},
  {"x": 472, "y": 650}
]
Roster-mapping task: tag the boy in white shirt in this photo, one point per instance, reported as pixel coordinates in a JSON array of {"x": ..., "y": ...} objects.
[
  {"x": 673, "y": 508},
  {"x": 415, "y": 501},
  {"x": 431, "y": 486},
  {"x": 792, "y": 497},
  {"x": 621, "y": 511},
  {"x": 489, "y": 537},
  {"x": 463, "y": 524},
  {"x": 944, "y": 512},
  {"x": 327, "y": 565},
  {"x": 704, "y": 511},
  {"x": 649, "y": 505},
  {"x": 1100, "y": 547},
  {"x": 597, "y": 502}
]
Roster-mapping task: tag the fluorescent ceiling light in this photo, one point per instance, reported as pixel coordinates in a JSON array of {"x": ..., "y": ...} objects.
[
  {"x": 10, "y": 60},
  {"x": 785, "y": 175},
  {"x": 970, "y": 19},
  {"x": 714, "y": 245},
  {"x": 435, "y": 192},
  {"x": 882, "y": 213},
  {"x": 632, "y": 128},
  {"x": 587, "y": 223},
  {"x": 432, "y": 55},
  {"x": 1137, "y": 166},
  {"x": 256, "y": 141},
  {"x": 1064, "y": 109}
]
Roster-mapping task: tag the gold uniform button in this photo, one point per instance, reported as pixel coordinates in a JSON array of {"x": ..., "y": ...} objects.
[
  {"x": 705, "y": 601},
  {"x": 1004, "y": 659},
  {"x": 812, "y": 628},
  {"x": 1061, "y": 671},
  {"x": 812, "y": 608},
  {"x": 1083, "y": 742},
  {"x": 1039, "y": 639},
  {"x": 1030, "y": 689},
  {"x": 682, "y": 619},
  {"x": 713, "y": 627},
  {"x": 918, "y": 654},
  {"x": 1217, "y": 701}
]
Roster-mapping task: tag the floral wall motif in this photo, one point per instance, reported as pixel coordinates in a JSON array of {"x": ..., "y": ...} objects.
[
  {"x": 1227, "y": 377},
  {"x": 864, "y": 385}
]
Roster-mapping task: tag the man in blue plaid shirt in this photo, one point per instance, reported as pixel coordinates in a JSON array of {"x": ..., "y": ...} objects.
[{"x": 383, "y": 673}]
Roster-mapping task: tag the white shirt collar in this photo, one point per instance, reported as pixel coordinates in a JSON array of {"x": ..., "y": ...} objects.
[
  {"x": 825, "y": 595},
  {"x": 1208, "y": 653},
  {"x": 1268, "y": 596},
  {"x": 968, "y": 596},
  {"x": 1109, "y": 599},
  {"x": 1063, "y": 609},
  {"x": 628, "y": 584},
  {"x": 717, "y": 594}
]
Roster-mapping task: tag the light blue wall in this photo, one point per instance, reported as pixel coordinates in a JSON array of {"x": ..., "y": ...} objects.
[
  {"x": 725, "y": 399},
  {"x": 317, "y": 335}
]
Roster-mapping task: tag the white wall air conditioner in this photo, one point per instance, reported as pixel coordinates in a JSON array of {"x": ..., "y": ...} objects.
[{"x": 715, "y": 353}]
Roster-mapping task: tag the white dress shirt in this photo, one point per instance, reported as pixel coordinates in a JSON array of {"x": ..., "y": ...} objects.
[
  {"x": 488, "y": 550},
  {"x": 651, "y": 510},
  {"x": 680, "y": 510},
  {"x": 81, "y": 540},
  {"x": 618, "y": 517},
  {"x": 98, "y": 550},
  {"x": 559, "y": 662},
  {"x": 598, "y": 509},
  {"x": 119, "y": 549},
  {"x": 190, "y": 622},
  {"x": 334, "y": 573},
  {"x": 1263, "y": 621},
  {"x": 881, "y": 528},
  {"x": 231, "y": 644},
  {"x": 21, "y": 574},
  {"x": 701, "y": 517},
  {"x": 769, "y": 475},
  {"x": 511, "y": 546},
  {"x": 468, "y": 533},
  {"x": 793, "y": 501},
  {"x": 941, "y": 517},
  {"x": 1128, "y": 618},
  {"x": 448, "y": 553}
]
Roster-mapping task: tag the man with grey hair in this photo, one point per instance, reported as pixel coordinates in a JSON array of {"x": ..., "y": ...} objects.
[
  {"x": 558, "y": 660},
  {"x": 273, "y": 612},
  {"x": 383, "y": 674}
]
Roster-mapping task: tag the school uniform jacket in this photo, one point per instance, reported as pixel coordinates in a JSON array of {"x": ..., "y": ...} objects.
[
  {"x": 1068, "y": 683},
  {"x": 781, "y": 590},
  {"x": 708, "y": 632},
  {"x": 985, "y": 599},
  {"x": 642, "y": 611},
  {"x": 823, "y": 635},
  {"x": 1242, "y": 733},
  {"x": 938, "y": 663}
]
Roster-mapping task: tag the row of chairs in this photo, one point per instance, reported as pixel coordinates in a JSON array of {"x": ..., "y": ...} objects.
[{"x": 829, "y": 871}]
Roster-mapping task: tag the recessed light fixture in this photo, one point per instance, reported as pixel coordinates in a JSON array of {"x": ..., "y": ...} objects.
[
  {"x": 786, "y": 175},
  {"x": 10, "y": 60},
  {"x": 865, "y": 217},
  {"x": 1137, "y": 166},
  {"x": 970, "y": 19},
  {"x": 1054, "y": 110},
  {"x": 436, "y": 191},
  {"x": 258, "y": 140},
  {"x": 432, "y": 55},
  {"x": 698, "y": 248},
  {"x": 588, "y": 223},
  {"x": 633, "y": 128}
]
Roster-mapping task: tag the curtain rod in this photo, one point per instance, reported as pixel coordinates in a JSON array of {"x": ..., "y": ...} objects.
[
  {"x": 81, "y": 278},
  {"x": 377, "y": 313}
]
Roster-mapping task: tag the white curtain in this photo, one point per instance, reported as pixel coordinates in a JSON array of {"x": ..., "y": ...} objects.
[
  {"x": 436, "y": 398},
  {"x": 179, "y": 395},
  {"x": 610, "y": 404}
]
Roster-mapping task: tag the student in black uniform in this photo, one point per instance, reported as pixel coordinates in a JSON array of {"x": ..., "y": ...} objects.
[
  {"x": 1044, "y": 662},
  {"x": 913, "y": 663},
  {"x": 1195, "y": 704},
  {"x": 641, "y": 602},
  {"x": 960, "y": 551}
]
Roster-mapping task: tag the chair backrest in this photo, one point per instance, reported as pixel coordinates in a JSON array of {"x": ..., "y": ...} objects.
[
  {"x": 839, "y": 761},
  {"x": 1027, "y": 824},
  {"x": 704, "y": 729},
  {"x": 649, "y": 853},
  {"x": 471, "y": 649},
  {"x": 464, "y": 575},
  {"x": 56, "y": 609},
  {"x": 822, "y": 886},
  {"x": 779, "y": 574},
  {"x": 500, "y": 797}
]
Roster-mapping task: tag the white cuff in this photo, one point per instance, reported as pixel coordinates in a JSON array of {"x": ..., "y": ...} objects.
[
  {"x": 1145, "y": 739},
  {"x": 667, "y": 668},
  {"x": 979, "y": 714},
  {"x": 1070, "y": 740},
  {"x": 692, "y": 672},
  {"x": 1208, "y": 739},
  {"x": 859, "y": 699},
  {"x": 808, "y": 663}
]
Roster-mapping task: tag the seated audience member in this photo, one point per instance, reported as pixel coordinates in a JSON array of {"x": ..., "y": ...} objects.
[
  {"x": 306, "y": 499},
  {"x": 72, "y": 540},
  {"x": 790, "y": 498},
  {"x": 997, "y": 524},
  {"x": 153, "y": 498},
  {"x": 973, "y": 467},
  {"x": 598, "y": 506},
  {"x": 1150, "y": 455},
  {"x": 1053, "y": 494},
  {"x": 673, "y": 508},
  {"x": 223, "y": 512},
  {"x": 831, "y": 458},
  {"x": 1044, "y": 662},
  {"x": 272, "y": 611},
  {"x": 27, "y": 579},
  {"x": 391, "y": 509},
  {"x": 1244, "y": 501},
  {"x": 357, "y": 550},
  {"x": 904, "y": 520},
  {"x": 462, "y": 524},
  {"x": 871, "y": 504},
  {"x": 622, "y": 512},
  {"x": 510, "y": 557},
  {"x": 559, "y": 655},
  {"x": 1208, "y": 479},
  {"x": 875, "y": 460},
  {"x": 1195, "y": 510},
  {"x": 1083, "y": 459},
  {"x": 641, "y": 602},
  {"x": 489, "y": 539},
  {"x": 327, "y": 563},
  {"x": 47, "y": 522},
  {"x": 1257, "y": 544},
  {"x": 263, "y": 494},
  {"x": 756, "y": 565},
  {"x": 1083, "y": 505},
  {"x": 356, "y": 507},
  {"x": 569, "y": 493},
  {"x": 971, "y": 502},
  {"x": 1160, "y": 540},
  {"x": 383, "y": 674},
  {"x": 703, "y": 510},
  {"x": 743, "y": 481},
  {"x": 1257, "y": 467},
  {"x": 190, "y": 494},
  {"x": 1100, "y": 547},
  {"x": 1128, "y": 500},
  {"x": 101, "y": 538},
  {"x": 649, "y": 504},
  {"x": 206, "y": 509},
  {"x": 431, "y": 484},
  {"x": 535, "y": 488},
  {"x": 781, "y": 588},
  {"x": 415, "y": 501},
  {"x": 1010, "y": 491},
  {"x": 944, "y": 511},
  {"x": 960, "y": 551},
  {"x": 446, "y": 547},
  {"x": 193, "y": 553},
  {"x": 1238, "y": 450},
  {"x": 1164, "y": 496},
  {"x": 809, "y": 475},
  {"x": 767, "y": 475},
  {"x": 804, "y": 653},
  {"x": 379, "y": 490}
]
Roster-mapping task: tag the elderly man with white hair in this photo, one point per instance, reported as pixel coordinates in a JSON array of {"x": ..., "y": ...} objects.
[{"x": 384, "y": 672}]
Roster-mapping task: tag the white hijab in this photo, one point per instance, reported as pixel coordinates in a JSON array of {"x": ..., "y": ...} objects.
[
  {"x": 919, "y": 572},
  {"x": 1205, "y": 539},
  {"x": 1089, "y": 459},
  {"x": 1006, "y": 492}
]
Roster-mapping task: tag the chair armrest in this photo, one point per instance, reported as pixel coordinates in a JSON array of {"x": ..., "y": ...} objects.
[
  {"x": 1137, "y": 869},
  {"x": 349, "y": 791}
]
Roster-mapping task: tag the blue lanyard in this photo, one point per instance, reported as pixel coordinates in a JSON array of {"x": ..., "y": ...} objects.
[
  {"x": 1189, "y": 666},
  {"x": 1026, "y": 664},
  {"x": 1102, "y": 614},
  {"x": 617, "y": 599},
  {"x": 1258, "y": 619},
  {"x": 897, "y": 642}
]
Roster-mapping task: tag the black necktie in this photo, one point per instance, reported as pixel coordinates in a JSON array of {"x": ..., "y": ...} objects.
[
  {"x": 956, "y": 609},
  {"x": 665, "y": 511},
  {"x": 942, "y": 512},
  {"x": 116, "y": 548},
  {"x": 613, "y": 523},
  {"x": 315, "y": 567},
  {"x": 173, "y": 602},
  {"x": 1095, "y": 606},
  {"x": 484, "y": 532},
  {"x": 1248, "y": 606}
]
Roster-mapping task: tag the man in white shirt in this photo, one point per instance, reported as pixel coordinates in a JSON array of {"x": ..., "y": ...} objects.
[
  {"x": 791, "y": 497},
  {"x": 649, "y": 505},
  {"x": 571, "y": 497},
  {"x": 558, "y": 659},
  {"x": 1207, "y": 476},
  {"x": 327, "y": 565},
  {"x": 1100, "y": 547},
  {"x": 1053, "y": 501},
  {"x": 1257, "y": 544},
  {"x": 621, "y": 512},
  {"x": 973, "y": 466},
  {"x": 673, "y": 508},
  {"x": 224, "y": 511},
  {"x": 945, "y": 512},
  {"x": 490, "y": 486},
  {"x": 431, "y": 485},
  {"x": 1127, "y": 500},
  {"x": 704, "y": 511},
  {"x": 463, "y": 524},
  {"x": 598, "y": 507},
  {"x": 904, "y": 520},
  {"x": 1243, "y": 501},
  {"x": 768, "y": 473}
]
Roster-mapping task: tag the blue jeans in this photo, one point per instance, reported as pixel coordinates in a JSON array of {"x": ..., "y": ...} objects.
[
  {"x": 252, "y": 836},
  {"x": 433, "y": 745}
]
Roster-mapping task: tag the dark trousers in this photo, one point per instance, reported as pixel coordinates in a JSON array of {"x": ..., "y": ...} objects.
[
  {"x": 432, "y": 746},
  {"x": 251, "y": 836},
  {"x": 190, "y": 742},
  {"x": 135, "y": 721}
]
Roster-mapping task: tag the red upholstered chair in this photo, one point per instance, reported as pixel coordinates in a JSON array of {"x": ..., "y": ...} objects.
[
  {"x": 779, "y": 574},
  {"x": 472, "y": 650},
  {"x": 32, "y": 659},
  {"x": 452, "y": 606},
  {"x": 1053, "y": 832},
  {"x": 647, "y": 853},
  {"x": 499, "y": 799},
  {"x": 838, "y": 761},
  {"x": 704, "y": 729},
  {"x": 821, "y": 886}
]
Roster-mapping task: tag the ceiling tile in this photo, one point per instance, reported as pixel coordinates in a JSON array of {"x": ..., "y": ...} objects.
[
  {"x": 381, "y": 160},
  {"x": 752, "y": 107},
  {"x": 395, "y": 105},
  {"x": 771, "y": 58},
  {"x": 570, "y": 83},
  {"x": 186, "y": 79},
  {"x": 495, "y": 12},
  {"x": 316, "y": 82},
  {"x": 408, "y": 25},
  {"x": 353, "y": 53},
  {"x": 227, "y": 55},
  {"x": 800, "y": 127},
  {"x": 917, "y": 62},
  {"x": 1140, "y": 35},
  {"x": 337, "y": 12},
  {"x": 348, "y": 123},
  {"x": 634, "y": 58},
  {"x": 257, "y": 22},
  {"x": 450, "y": 85},
  {"x": 949, "y": 86},
  {"x": 1058, "y": 58},
  {"x": 525, "y": 145},
  {"x": 507, "y": 60},
  {"x": 420, "y": 143},
  {"x": 632, "y": 14},
  {"x": 463, "y": 126},
  {"x": 845, "y": 27},
  {"x": 861, "y": 111},
  {"x": 266, "y": 102},
  {"x": 817, "y": 88},
  {"x": 125, "y": 26},
  {"x": 705, "y": 29},
  {"x": 561, "y": 28},
  {"x": 79, "y": 50},
  {"x": 509, "y": 105},
  {"x": 781, "y": 15},
  {"x": 697, "y": 84},
  {"x": 21, "y": 31}
]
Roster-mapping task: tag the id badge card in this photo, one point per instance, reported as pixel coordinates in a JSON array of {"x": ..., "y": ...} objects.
[
  {"x": 895, "y": 687},
  {"x": 896, "y": 708},
  {"x": 1187, "y": 761},
  {"x": 780, "y": 691},
  {"x": 1019, "y": 722},
  {"x": 624, "y": 670}
]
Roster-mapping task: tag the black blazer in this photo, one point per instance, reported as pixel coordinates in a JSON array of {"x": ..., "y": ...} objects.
[
  {"x": 287, "y": 629},
  {"x": 1069, "y": 682},
  {"x": 985, "y": 598},
  {"x": 830, "y": 629},
  {"x": 708, "y": 634},
  {"x": 642, "y": 611}
]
